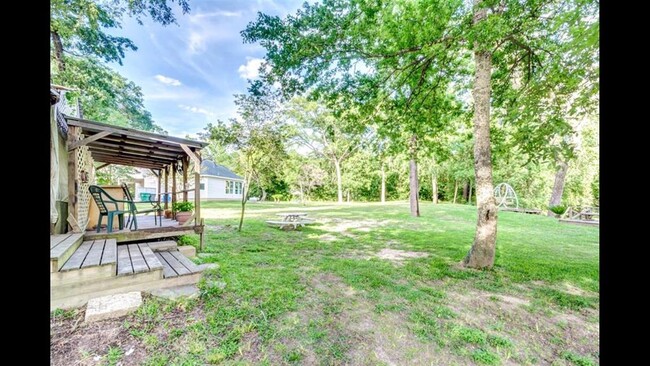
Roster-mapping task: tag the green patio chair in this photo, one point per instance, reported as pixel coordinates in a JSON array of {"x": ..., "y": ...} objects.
[
  {"x": 103, "y": 201},
  {"x": 156, "y": 209}
]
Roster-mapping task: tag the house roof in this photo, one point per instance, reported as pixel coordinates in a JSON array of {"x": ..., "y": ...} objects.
[{"x": 208, "y": 167}]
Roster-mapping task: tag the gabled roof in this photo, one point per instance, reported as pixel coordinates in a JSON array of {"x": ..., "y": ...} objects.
[{"x": 208, "y": 167}]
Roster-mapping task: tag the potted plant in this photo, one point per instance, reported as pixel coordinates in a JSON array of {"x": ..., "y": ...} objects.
[
  {"x": 168, "y": 214},
  {"x": 183, "y": 211}
]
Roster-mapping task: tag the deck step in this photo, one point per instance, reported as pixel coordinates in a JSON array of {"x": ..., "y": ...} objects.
[
  {"x": 62, "y": 246},
  {"x": 175, "y": 264},
  {"x": 92, "y": 259},
  {"x": 136, "y": 258}
]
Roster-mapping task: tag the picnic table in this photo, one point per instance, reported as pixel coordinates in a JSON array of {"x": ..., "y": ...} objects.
[
  {"x": 292, "y": 216},
  {"x": 290, "y": 220}
]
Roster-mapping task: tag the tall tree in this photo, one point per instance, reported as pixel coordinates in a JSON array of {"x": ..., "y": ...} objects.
[
  {"x": 324, "y": 134},
  {"x": 257, "y": 137},
  {"x": 80, "y": 47}
]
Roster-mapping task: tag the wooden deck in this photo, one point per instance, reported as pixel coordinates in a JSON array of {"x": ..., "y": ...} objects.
[
  {"x": 102, "y": 267},
  {"x": 147, "y": 229}
]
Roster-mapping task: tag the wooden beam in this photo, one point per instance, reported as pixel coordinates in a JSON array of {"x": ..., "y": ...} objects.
[
  {"x": 148, "y": 150},
  {"x": 147, "y": 144},
  {"x": 88, "y": 140},
  {"x": 166, "y": 185},
  {"x": 100, "y": 154},
  {"x": 102, "y": 166},
  {"x": 73, "y": 134},
  {"x": 128, "y": 162},
  {"x": 173, "y": 184},
  {"x": 131, "y": 154},
  {"x": 186, "y": 163},
  {"x": 195, "y": 158},
  {"x": 97, "y": 126},
  {"x": 197, "y": 197},
  {"x": 74, "y": 224},
  {"x": 159, "y": 175},
  {"x": 154, "y": 173}
]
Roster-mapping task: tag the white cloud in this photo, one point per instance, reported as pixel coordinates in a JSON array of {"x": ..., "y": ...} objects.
[
  {"x": 218, "y": 13},
  {"x": 196, "y": 110},
  {"x": 167, "y": 80},
  {"x": 251, "y": 69}
]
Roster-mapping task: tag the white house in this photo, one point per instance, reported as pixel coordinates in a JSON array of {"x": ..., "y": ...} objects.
[{"x": 217, "y": 183}]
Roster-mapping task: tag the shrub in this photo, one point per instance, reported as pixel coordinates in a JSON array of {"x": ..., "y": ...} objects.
[
  {"x": 183, "y": 206},
  {"x": 558, "y": 210}
]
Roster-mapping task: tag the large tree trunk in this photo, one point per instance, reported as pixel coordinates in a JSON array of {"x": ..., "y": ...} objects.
[
  {"x": 263, "y": 198},
  {"x": 558, "y": 186},
  {"x": 434, "y": 188},
  {"x": 481, "y": 255},
  {"x": 58, "y": 50},
  {"x": 383, "y": 184},
  {"x": 466, "y": 191},
  {"x": 337, "y": 166},
  {"x": 413, "y": 180}
]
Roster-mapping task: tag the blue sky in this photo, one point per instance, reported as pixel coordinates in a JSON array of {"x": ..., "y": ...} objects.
[{"x": 190, "y": 71}]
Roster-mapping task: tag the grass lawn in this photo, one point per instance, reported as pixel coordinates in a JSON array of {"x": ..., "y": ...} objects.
[{"x": 366, "y": 284}]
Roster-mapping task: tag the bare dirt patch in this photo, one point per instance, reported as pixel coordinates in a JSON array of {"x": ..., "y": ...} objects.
[
  {"x": 397, "y": 255},
  {"x": 352, "y": 325},
  {"x": 535, "y": 334},
  {"x": 342, "y": 226},
  {"x": 74, "y": 342}
]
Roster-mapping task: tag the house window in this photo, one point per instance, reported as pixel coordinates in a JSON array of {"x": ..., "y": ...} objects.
[
  {"x": 203, "y": 186},
  {"x": 233, "y": 187}
]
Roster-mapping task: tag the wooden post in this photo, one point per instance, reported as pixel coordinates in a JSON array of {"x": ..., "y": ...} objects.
[
  {"x": 186, "y": 163},
  {"x": 73, "y": 133},
  {"x": 173, "y": 184},
  {"x": 166, "y": 185},
  {"x": 197, "y": 192},
  {"x": 159, "y": 184}
]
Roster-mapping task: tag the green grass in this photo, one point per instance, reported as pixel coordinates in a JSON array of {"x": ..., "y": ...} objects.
[{"x": 320, "y": 295}]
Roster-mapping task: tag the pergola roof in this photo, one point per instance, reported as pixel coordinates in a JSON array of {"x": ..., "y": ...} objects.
[{"x": 126, "y": 146}]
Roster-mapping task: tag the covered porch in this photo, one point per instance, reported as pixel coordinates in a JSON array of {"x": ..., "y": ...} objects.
[
  {"x": 85, "y": 263},
  {"x": 93, "y": 146}
]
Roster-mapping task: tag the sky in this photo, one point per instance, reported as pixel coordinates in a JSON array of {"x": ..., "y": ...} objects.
[{"x": 189, "y": 72}]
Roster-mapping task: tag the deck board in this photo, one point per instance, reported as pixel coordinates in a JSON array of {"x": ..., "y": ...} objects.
[
  {"x": 94, "y": 256},
  {"x": 168, "y": 272},
  {"x": 177, "y": 266},
  {"x": 57, "y": 239},
  {"x": 77, "y": 257},
  {"x": 185, "y": 261},
  {"x": 137, "y": 259},
  {"x": 124, "y": 266},
  {"x": 149, "y": 257},
  {"x": 110, "y": 252},
  {"x": 63, "y": 245}
]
